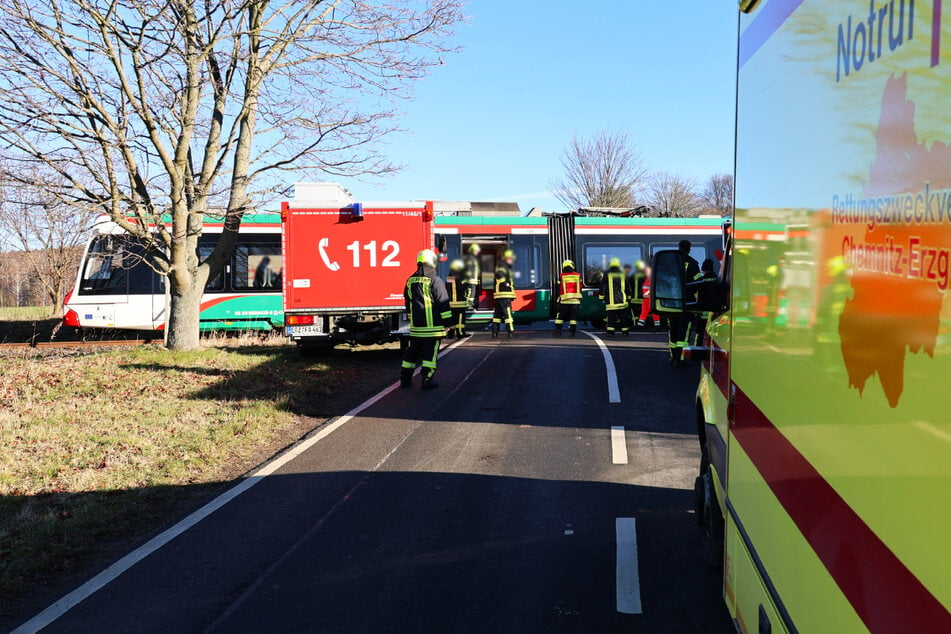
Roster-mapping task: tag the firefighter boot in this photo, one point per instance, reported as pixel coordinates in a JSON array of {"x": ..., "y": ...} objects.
[
  {"x": 557, "y": 332},
  {"x": 495, "y": 331},
  {"x": 511, "y": 332},
  {"x": 406, "y": 378},
  {"x": 429, "y": 384},
  {"x": 572, "y": 329},
  {"x": 451, "y": 334}
]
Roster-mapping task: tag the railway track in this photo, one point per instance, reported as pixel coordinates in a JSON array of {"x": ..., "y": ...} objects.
[{"x": 117, "y": 343}]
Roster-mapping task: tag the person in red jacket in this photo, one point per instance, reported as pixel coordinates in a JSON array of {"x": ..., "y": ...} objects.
[
  {"x": 646, "y": 318},
  {"x": 569, "y": 298}
]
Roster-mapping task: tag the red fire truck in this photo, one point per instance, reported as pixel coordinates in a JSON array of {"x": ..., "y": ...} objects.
[{"x": 345, "y": 266}]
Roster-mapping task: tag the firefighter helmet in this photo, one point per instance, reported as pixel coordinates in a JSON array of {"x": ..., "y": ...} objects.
[
  {"x": 615, "y": 263},
  {"x": 427, "y": 257},
  {"x": 475, "y": 249},
  {"x": 508, "y": 255},
  {"x": 457, "y": 266},
  {"x": 567, "y": 264}
]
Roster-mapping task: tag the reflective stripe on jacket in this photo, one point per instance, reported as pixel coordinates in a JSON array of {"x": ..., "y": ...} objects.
[
  {"x": 456, "y": 286},
  {"x": 570, "y": 288},
  {"x": 637, "y": 287},
  {"x": 473, "y": 270},
  {"x": 504, "y": 283},
  {"x": 615, "y": 289},
  {"x": 427, "y": 303}
]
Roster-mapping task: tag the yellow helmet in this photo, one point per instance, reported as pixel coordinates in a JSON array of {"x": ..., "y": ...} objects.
[
  {"x": 457, "y": 265},
  {"x": 475, "y": 249},
  {"x": 837, "y": 265},
  {"x": 615, "y": 263},
  {"x": 567, "y": 264},
  {"x": 427, "y": 257},
  {"x": 639, "y": 265},
  {"x": 508, "y": 255}
]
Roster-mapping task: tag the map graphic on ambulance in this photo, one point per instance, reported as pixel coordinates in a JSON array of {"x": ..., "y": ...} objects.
[{"x": 899, "y": 255}]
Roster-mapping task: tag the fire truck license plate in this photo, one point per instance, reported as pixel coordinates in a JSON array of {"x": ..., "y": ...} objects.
[{"x": 297, "y": 331}]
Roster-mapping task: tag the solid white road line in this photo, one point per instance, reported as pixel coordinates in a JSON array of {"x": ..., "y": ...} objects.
[
  {"x": 62, "y": 606},
  {"x": 628, "y": 580},
  {"x": 614, "y": 394},
  {"x": 618, "y": 445}
]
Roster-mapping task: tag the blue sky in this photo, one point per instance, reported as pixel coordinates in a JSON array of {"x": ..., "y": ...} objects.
[{"x": 491, "y": 123}]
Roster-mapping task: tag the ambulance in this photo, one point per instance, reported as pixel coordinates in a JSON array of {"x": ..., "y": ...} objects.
[{"x": 822, "y": 409}]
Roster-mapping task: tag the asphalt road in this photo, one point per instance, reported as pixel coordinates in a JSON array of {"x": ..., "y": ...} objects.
[{"x": 488, "y": 505}]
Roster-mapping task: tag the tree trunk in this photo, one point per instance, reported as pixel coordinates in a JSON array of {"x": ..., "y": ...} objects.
[{"x": 183, "y": 316}]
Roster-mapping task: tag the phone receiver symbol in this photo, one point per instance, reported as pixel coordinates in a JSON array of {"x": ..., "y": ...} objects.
[{"x": 322, "y": 249}]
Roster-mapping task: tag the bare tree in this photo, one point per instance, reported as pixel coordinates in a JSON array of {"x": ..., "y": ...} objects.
[
  {"x": 48, "y": 232},
  {"x": 605, "y": 171},
  {"x": 717, "y": 194},
  {"x": 156, "y": 111},
  {"x": 673, "y": 196},
  {"x": 16, "y": 283}
]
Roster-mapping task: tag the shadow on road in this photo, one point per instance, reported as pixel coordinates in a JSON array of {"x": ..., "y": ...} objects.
[{"x": 379, "y": 551}]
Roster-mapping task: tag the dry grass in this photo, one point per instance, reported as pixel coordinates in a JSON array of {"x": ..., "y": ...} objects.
[
  {"x": 97, "y": 447},
  {"x": 25, "y": 313}
]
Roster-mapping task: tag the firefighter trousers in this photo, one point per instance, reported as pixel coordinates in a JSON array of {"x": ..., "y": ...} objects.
[
  {"x": 635, "y": 312},
  {"x": 618, "y": 320},
  {"x": 458, "y": 321},
  {"x": 677, "y": 335},
  {"x": 421, "y": 351},
  {"x": 472, "y": 295},
  {"x": 503, "y": 312},
  {"x": 569, "y": 313}
]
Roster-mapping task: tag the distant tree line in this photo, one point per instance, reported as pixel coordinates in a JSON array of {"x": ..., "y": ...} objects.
[
  {"x": 21, "y": 286},
  {"x": 607, "y": 171},
  {"x": 41, "y": 241}
]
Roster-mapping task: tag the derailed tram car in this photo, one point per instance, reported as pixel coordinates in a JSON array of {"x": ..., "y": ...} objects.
[
  {"x": 346, "y": 262},
  {"x": 116, "y": 289},
  {"x": 541, "y": 244}
]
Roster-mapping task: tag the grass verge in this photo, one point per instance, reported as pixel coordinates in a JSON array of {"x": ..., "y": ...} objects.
[
  {"x": 103, "y": 446},
  {"x": 25, "y": 313}
]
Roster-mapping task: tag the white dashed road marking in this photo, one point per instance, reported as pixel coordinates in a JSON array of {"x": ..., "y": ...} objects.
[
  {"x": 628, "y": 581},
  {"x": 618, "y": 445}
]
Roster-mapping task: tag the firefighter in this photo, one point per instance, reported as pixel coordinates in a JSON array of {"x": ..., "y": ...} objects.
[
  {"x": 473, "y": 276},
  {"x": 679, "y": 323},
  {"x": 615, "y": 291},
  {"x": 703, "y": 286},
  {"x": 427, "y": 304},
  {"x": 457, "y": 287},
  {"x": 569, "y": 298},
  {"x": 504, "y": 294},
  {"x": 638, "y": 277}
]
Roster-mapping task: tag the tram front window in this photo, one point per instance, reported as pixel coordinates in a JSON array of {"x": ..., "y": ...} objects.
[{"x": 106, "y": 270}]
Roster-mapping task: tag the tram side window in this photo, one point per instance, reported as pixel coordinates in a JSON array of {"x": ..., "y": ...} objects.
[
  {"x": 217, "y": 284},
  {"x": 597, "y": 257},
  {"x": 527, "y": 259},
  {"x": 257, "y": 267},
  {"x": 698, "y": 250},
  {"x": 106, "y": 270},
  {"x": 450, "y": 251}
]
